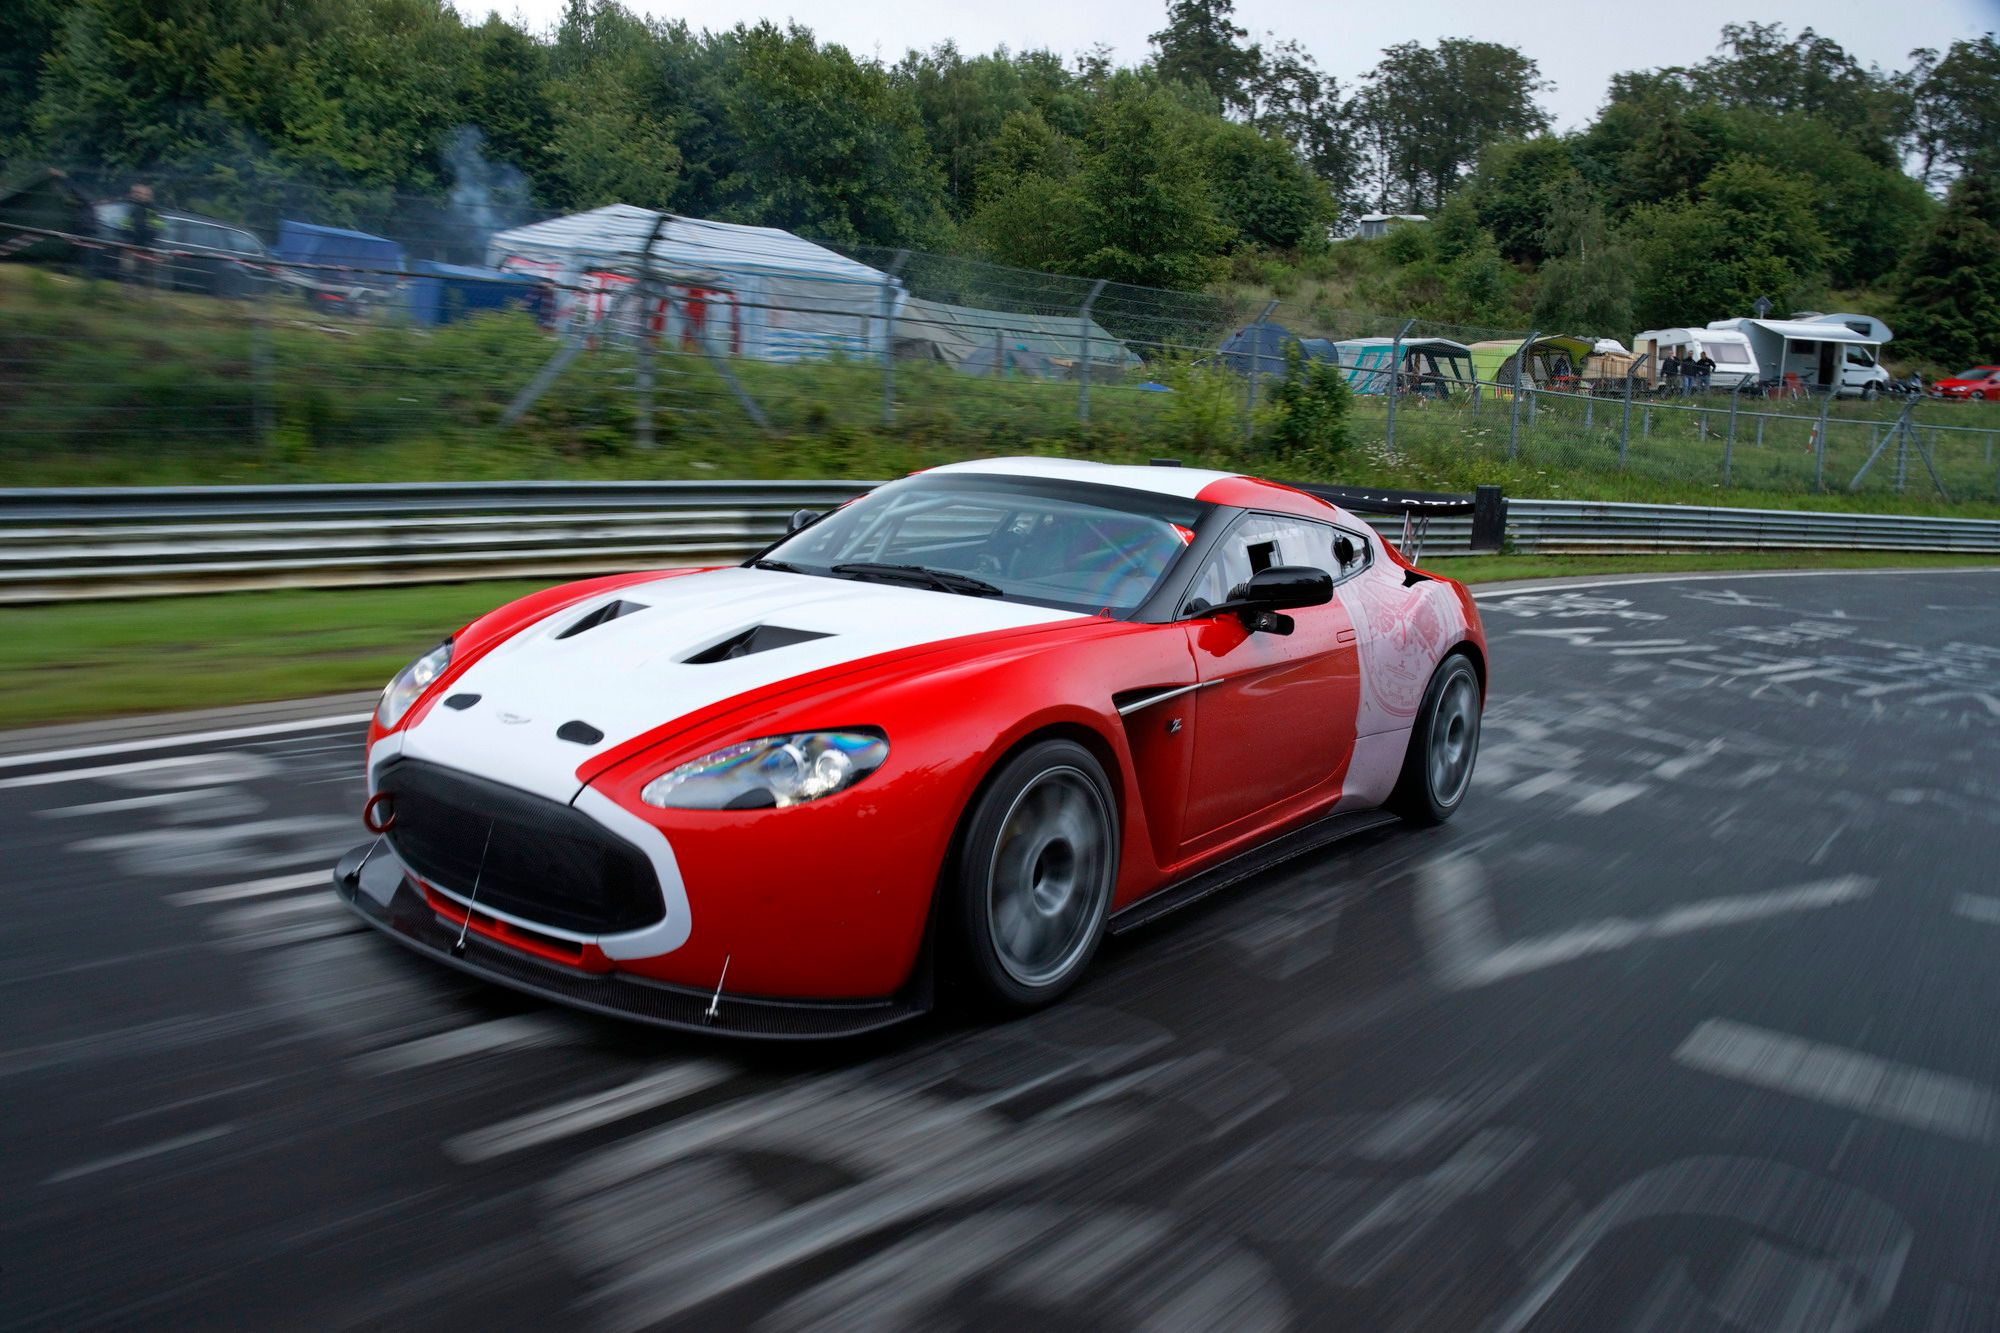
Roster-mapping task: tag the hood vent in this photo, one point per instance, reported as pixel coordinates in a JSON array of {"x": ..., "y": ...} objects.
[
  {"x": 603, "y": 615},
  {"x": 756, "y": 639}
]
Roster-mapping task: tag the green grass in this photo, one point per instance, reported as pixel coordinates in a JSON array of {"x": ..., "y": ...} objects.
[{"x": 104, "y": 659}]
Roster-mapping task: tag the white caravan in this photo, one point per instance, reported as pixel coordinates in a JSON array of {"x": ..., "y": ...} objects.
[{"x": 1735, "y": 364}]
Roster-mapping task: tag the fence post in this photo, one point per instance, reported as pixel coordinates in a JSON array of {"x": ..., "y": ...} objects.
[
  {"x": 1760, "y": 430},
  {"x": 261, "y": 413},
  {"x": 1256, "y": 367},
  {"x": 1819, "y": 444},
  {"x": 1083, "y": 372},
  {"x": 1625, "y": 427},
  {"x": 1729, "y": 445},
  {"x": 1589, "y": 407},
  {"x": 643, "y": 419},
  {"x": 1989, "y": 446},
  {"x": 889, "y": 285},
  {"x": 1395, "y": 378},
  {"x": 1514, "y": 412}
]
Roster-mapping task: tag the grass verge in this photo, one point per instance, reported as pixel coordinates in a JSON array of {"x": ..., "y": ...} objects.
[{"x": 105, "y": 659}]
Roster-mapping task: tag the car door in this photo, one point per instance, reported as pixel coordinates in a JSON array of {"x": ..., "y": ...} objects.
[{"x": 1273, "y": 713}]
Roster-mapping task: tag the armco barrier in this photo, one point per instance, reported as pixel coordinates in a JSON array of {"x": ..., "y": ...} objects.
[{"x": 124, "y": 542}]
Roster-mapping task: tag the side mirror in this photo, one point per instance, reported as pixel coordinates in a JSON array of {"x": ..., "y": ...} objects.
[
  {"x": 1279, "y": 588},
  {"x": 802, "y": 519}
]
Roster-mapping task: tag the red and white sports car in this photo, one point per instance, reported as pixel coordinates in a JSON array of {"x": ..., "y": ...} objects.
[{"x": 952, "y": 731}]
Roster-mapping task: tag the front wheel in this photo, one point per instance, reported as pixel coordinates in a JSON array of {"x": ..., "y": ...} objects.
[
  {"x": 1035, "y": 874},
  {"x": 1437, "y": 768}
]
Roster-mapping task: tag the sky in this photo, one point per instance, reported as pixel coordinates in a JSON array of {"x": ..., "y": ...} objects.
[{"x": 1578, "y": 47}]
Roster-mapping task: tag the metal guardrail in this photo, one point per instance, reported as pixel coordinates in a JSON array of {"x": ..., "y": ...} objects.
[{"x": 58, "y": 545}]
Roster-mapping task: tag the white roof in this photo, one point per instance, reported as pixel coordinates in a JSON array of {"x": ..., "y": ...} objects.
[
  {"x": 616, "y": 234},
  {"x": 1708, "y": 335},
  {"x": 1802, "y": 330},
  {"x": 1385, "y": 217},
  {"x": 1185, "y": 482},
  {"x": 1876, "y": 329}
]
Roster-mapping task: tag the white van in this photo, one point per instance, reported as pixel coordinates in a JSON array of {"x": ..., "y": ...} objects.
[{"x": 1825, "y": 351}]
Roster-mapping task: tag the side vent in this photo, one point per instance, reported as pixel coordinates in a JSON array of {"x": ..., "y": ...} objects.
[
  {"x": 756, "y": 639},
  {"x": 461, "y": 702},
  {"x": 1411, "y": 578},
  {"x": 603, "y": 615}
]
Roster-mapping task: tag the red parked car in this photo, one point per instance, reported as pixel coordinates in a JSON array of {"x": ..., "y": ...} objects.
[{"x": 1978, "y": 382}]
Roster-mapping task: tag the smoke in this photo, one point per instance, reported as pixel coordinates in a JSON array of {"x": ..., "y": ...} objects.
[{"x": 485, "y": 196}]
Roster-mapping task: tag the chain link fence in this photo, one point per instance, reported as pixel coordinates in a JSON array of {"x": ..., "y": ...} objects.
[{"x": 254, "y": 336}]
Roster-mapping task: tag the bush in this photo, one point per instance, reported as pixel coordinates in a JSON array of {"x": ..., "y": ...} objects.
[{"x": 1307, "y": 413}]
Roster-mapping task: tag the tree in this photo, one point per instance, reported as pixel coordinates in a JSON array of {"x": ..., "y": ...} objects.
[
  {"x": 1754, "y": 232},
  {"x": 1430, "y": 110},
  {"x": 614, "y": 127},
  {"x": 1760, "y": 69},
  {"x": 1948, "y": 302},
  {"x": 1956, "y": 104},
  {"x": 1290, "y": 98},
  {"x": 1515, "y": 189},
  {"x": 1586, "y": 285},
  {"x": 1266, "y": 194},
  {"x": 1201, "y": 45}
]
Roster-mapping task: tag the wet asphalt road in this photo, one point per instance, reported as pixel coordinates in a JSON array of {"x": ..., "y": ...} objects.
[{"x": 1691, "y": 1021}]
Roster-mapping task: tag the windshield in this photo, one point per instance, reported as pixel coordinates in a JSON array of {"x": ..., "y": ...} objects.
[
  {"x": 1080, "y": 547},
  {"x": 1976, "y": 373}
]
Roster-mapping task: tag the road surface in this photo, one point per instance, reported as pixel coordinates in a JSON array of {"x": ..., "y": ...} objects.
[{"x": 1690, "y": 1021}]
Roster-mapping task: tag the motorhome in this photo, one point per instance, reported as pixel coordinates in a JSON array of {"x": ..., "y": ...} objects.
[
  {"x": 1735, "y": 362},
  {"x": 1817, "y": 353}
]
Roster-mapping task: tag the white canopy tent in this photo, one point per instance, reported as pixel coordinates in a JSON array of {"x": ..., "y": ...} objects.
[{"x": 751, "y": 291}]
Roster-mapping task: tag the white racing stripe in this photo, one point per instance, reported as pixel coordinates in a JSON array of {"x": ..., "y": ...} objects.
[
  {"x": 586, "y": 1113},
  {"x": 255, "y": 888},
  {"x": 1836, "y": 1076}
]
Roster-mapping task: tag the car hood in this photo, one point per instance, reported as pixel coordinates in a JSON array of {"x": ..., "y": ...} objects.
[{"x": 623, "y": 663}]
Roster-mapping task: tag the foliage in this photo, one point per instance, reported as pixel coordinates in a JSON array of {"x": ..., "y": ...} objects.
[
  {"x": 1307, "y": 413},
  {"x": 1201, "y": 45},
  {"x": 1948, "y": 302},
  {"x": 1428, "y": 111},
  {"x": 1753, "y": 232},
  {"x": 1586, "y": 284},
  {"x": 1956, "y": 105}
]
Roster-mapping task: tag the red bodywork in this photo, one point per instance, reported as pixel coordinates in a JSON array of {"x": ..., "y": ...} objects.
[{"x": 830, "y": 899}]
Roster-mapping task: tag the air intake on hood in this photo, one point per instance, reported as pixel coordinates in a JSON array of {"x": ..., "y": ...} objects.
[
  {"x": 603, "y": 615},
  {"x": 756, "y": 639}
]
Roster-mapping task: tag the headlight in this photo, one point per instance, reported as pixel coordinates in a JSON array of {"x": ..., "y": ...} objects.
[
  {"x": 410, "y": 682},
  {"x": 778, "y": 770}
]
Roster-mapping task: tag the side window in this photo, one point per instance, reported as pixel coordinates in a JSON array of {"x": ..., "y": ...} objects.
[
  {"x": 1260, "y": 541},
  {"x": 1361, "y": 554}
]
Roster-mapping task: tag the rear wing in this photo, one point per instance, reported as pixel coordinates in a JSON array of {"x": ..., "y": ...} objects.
[{"x": 1486, "y": 505}]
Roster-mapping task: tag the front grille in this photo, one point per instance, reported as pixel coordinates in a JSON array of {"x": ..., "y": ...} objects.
[{"x": 533, "y": 858}]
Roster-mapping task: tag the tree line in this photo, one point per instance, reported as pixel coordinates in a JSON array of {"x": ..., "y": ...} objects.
[{"x": 1780, "y": 167}]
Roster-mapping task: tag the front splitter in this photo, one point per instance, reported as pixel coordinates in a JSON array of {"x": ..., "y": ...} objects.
[{"x": 378, "y": 888}]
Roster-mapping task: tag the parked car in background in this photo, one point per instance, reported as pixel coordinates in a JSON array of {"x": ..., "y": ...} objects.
[
  {"x": 196, "y": 254},
  {"x": 1978, "y": 382}
]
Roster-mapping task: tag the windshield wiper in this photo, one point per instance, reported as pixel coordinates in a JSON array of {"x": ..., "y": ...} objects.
[
  {"x": 779, "y": 565},
  {"x": 943, "y": 580}
]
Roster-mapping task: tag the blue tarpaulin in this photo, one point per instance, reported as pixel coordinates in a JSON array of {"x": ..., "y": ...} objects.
[
  {"x": 1261, "y": 347},
  {"x": 307, "y": 243},
  {"x": 441, "y": 293}
]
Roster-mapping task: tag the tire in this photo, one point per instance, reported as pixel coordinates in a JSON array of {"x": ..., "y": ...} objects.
[
  {"x": 1034, "y": 875},
  {"x": 1444, "y": 744},
  {"x": 1869, "y": 393}
]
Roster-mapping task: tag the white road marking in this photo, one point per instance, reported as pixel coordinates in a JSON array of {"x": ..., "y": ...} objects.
[
  {"x": 1559, "y": 585},
  {"x": 140, "y": 1154},
  {"x": 477, "y": 1039},
  {"x": 1836, "y": 1076},
  {"x": 586, "y": 1113},
  {"x": 175, "y": 797},
  {"x": 104, "y": 771},
  {"x": 1978, "y": 907},
  {"x": 255, "y": 888},
  {"x": 1455, "y": 915},
  {"x": 185, "y": 738}
]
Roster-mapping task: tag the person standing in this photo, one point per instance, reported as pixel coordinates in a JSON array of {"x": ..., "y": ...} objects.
[
  {"x": 142, "y": 229},
  {"x": 1705, "y": 368},
  {"x": 1670, "y": 373}
]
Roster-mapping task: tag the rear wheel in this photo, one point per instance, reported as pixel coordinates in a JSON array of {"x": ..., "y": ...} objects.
[
  {"x": 1437, "y": 769},
  {"x": 1035, "y": 873}
]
